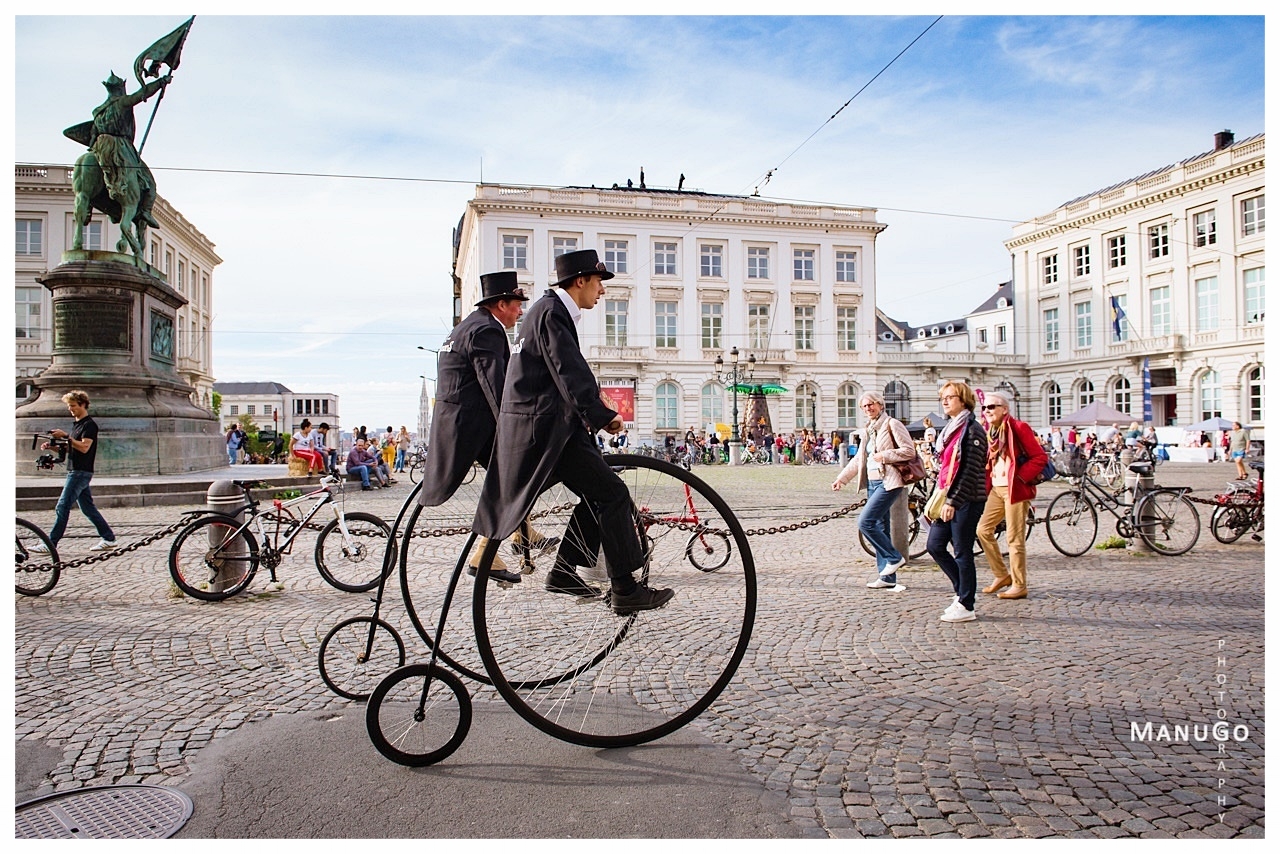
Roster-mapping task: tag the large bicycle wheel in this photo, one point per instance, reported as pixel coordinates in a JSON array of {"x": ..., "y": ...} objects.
[
  {"x": 209, "y": 561},
  {"x": 578, "y": 672},
  {"x": 1074, "y": 533},
  {"x": 356, "y": 655},
  {"x": 1167, "y": 522},
  {"x": 1230, "y": 522},
  {"x": 37, "y": 572},
  {"x": 418, "y": 715},
  {"x": 354, "y": 565}
]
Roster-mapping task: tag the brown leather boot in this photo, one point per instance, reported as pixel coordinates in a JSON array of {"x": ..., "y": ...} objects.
[
  {"x": 1013, "y": 593},
  {"x": 998, "y": 584}
]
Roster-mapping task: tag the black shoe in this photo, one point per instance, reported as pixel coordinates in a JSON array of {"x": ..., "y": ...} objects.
[
  {"x": 366, "y": 488},
  {"x": 562, "y": 579},
  {"x": 502, "y": 577},
  {"x": 643, "y": 598}
]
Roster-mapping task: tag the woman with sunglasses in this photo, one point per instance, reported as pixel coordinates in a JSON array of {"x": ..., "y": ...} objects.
[
  {"x": 962, "y": 474},
  {"x": 1014, "y": 461}
]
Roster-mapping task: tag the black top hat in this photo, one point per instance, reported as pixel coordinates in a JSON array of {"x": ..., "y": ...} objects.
[
  {"x": 584, "y": 262},
  {"x": 500, "y": 285}
]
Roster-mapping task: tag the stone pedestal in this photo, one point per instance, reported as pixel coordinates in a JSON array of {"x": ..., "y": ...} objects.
[{"x": 115, "y": 338}]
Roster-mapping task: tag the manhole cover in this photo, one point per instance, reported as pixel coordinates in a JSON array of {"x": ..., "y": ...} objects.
[{"x": 104, "y": 812}]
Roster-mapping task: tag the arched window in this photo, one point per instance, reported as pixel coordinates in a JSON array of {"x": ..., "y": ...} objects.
[
  {"x": 1254, "y": 392},
  {"x": 666, "y": 399},
  {"x": 847, "y": 405},
  {"x": 1084, "y": 394},
  {"x": 806, "y": 406},
  {"x": 23, "y": 391},
  {"x": 1122, "y": 396},
  {"x": 1053, "y": 401},
  {"x": 712, "y": 404},
  {"x": 897, "y": 401},
  {"x": 1210, "y": 396}
]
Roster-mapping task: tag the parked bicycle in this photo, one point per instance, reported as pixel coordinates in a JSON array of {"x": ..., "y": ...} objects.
[
  {"x": 1162, "y": 517},
  {"x": 1105, "y": 468},
  {"x": 1240, "y": 509},
  {"x": 215, "y": 556},
  {"x": 416, "y": 462},
  {"x": 37, "y": 572}
]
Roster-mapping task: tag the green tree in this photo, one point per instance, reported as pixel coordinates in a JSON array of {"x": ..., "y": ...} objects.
[{"x": 217, "y": 403}]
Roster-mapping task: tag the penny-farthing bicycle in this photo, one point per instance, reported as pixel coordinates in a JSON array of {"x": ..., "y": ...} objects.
[{"x": 569, "y": 665}]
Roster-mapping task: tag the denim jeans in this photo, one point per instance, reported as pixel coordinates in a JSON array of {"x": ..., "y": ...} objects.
[
  {"x": 960, "y": 533},
  {"x": 399, "y": 459},
  {"x": 76, "y": 491},
  {"x": 363, "y": 471},
  {"x": 231, "y": 455},
  {"x": 874, "y": 525}
]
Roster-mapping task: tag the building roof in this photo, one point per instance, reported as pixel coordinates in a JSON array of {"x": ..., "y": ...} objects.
[
  {"x": 1004, "y": 290},
  {"x": 225, "y": 389}
]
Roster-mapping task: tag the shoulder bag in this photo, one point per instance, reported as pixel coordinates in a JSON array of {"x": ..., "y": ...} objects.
[{"x": 913, "y": 469}]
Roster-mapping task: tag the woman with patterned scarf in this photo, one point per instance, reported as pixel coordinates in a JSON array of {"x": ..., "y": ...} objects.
[
  {"x": 1014, "y": 460},
  {"x": 962, "y": 450}
]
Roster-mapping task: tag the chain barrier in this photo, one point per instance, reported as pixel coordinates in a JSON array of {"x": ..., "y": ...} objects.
[{"x": 121, "y": 550}]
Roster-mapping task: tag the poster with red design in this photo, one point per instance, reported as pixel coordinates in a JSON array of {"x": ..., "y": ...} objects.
[{"x": 621, "y": 400}]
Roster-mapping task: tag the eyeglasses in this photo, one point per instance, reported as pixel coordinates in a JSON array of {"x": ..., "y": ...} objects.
[
  {"x": 943, "y": 398},
  {"x": 991, "y": 406},
  {"x": 870, "y": 405}
]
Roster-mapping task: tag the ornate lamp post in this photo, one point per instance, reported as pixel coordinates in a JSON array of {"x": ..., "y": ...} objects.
[
  {"x": 813, "y": 411},
  {"x": 736, "y": 375}
]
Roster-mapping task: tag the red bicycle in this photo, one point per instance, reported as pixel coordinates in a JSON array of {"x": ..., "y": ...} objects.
[
  {"x": 1240, "y": 508},
  {"x": 708, "y": 548}
]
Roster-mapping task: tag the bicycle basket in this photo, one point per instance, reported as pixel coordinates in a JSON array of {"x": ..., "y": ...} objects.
[{"x": 1072, "y": 465}]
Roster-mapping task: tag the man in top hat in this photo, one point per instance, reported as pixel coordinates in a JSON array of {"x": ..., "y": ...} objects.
[
  {"x": 551, "y": 410},
  {"x": 470, "y": 374}
]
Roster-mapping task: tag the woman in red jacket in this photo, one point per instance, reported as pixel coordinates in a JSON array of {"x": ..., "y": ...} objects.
[{"x": 1014, "y": 462}]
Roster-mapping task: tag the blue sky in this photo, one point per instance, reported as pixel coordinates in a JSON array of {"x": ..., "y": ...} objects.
[{"x": 984, "y": 122}]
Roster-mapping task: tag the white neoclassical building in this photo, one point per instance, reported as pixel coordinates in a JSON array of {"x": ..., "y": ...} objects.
[
  {"x": 1169, "y": 266},
  {"x": 43, "y": 206},
  {"x": 697, "y": 275}
]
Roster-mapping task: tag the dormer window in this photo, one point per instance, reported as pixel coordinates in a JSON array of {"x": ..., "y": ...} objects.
[
  {"x": 1002, "y": 303},
  {"x": 920, "y": 334},
  {"x": 951, "y": 328},
  {"x": 933, "y": 331}
]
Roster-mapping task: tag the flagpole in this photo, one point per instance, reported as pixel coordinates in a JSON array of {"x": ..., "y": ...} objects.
[{"x": 154, "y": 109}]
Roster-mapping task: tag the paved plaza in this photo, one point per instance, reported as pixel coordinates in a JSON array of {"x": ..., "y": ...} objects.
[{"x": 856, "y": 712}]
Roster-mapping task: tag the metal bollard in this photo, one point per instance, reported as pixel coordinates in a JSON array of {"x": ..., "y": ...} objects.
[
  {"x": 1145, "y": 478},
  {"x": 225, "y": 497}
]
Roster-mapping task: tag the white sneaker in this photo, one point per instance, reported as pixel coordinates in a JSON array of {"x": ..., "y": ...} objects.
[
  {"x": 893, "y": 567},
  {"x": 879, "y": 584},
  {"x": 960, "y": 615},
  {"x": 103, "y": 546},
  {"x": 39, "y": 549},
  {"x": 955, "y": 603}
]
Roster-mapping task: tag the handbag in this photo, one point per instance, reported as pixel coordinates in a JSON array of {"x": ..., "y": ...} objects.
[
  {"x": 933, "y": 507},
  {"x": 913, "y": 469}
]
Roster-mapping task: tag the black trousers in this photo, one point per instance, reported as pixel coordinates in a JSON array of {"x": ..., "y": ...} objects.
[{"x": 605, "y": 518}]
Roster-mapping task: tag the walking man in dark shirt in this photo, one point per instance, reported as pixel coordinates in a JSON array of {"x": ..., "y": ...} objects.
[{"x": 83, "y": 439}]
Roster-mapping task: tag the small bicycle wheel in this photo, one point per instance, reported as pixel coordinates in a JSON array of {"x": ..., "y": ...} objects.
[
  {"x": 209, "y": 561},
  {"x": 418, "y": 715},
  {"x": 37, "y": 572},
  {"x": 357, "y": 653},
  {"x": 1074, "y": 533},
  {"x": 709, "y": 550},
  {"x": 354, "y": 565},
  {"x": 1229, "y": 523},
  {"x": 1167, "y": 522},
  {"x": 582, "y": 674}
]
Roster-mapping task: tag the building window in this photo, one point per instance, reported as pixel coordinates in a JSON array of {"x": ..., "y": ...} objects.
[
  {"x": 1122, "y": 396},
  {"x": 664, "y": 259},
  {"x": 1161, "y": 311},
  {"x": 266, "y": 409},
  {"x": 1049, "y": 269},
  {"x": 1053, "y": 402},
  {"x": 806, "y": 407},
  {"x": 324, "y": 406},
  {"x": 1255, "y": 295},
  {"x": 846, "y": 328},
  {"x": 712, "y": 403},
  {"x": 1205, "y": 225},
  {"x": 93, "y": 235},
  {"x": 250, "y": 409},
  {"x": 1080, "y": 260},
  {"x": 982, "y": 335},
  {"x": 897, "y": 401},
  {"x": 1255, "y": 395},
  {"x": 1158, "y": 241},
  {"x": 182, "y": 276},
  {"x": 711, "y": 261},
  {"x": 847, "y": 406},
  {"x": 168, "y": 264},
  {"x": 1051, "y": 342},
  {"x": 1002, "y": 334},
  {"x": 615, "y": 256},
  {"x": 667, "y": 404},
  {"x": 235, "y": 409},
  {"x": 155, "y": 252},
  {"x": 515, "y": 252},
  {"x": 846, "y": 266},
  {"x": 28, "y": 237},
  {"x": 1120, "y": 318},
  {"x": 802, "y": 261},
  {"x": 1085, "y": 394},
  {"x": 27, "y": 304},
  {"x": 204, "y": 290},
  {"x": 664, "y": 324},
  {"x": 758, "y": 327},
  {"x": 1116, "y": 252},
  {"x": 1210, "y": 396},
  {"x": 1253, "y": 216},
  {"x": 615, "y": 322},
  {"x": 1207, "y": 304},
  {"x": 712, "y": 324},
  {"x": 804, "y": 327},
  {"x": 563, "y": 245},
  {"x": 297, "y": 406},
  {"x": 1084, "y": 324},
  {"x": 757, "y": 262}
]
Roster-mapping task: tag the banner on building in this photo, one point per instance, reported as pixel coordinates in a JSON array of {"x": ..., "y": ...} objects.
[{"x": 621, "y": 399}]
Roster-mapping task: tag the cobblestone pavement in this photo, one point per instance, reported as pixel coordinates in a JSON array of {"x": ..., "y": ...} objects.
[{"x": 871, "y": 717}]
